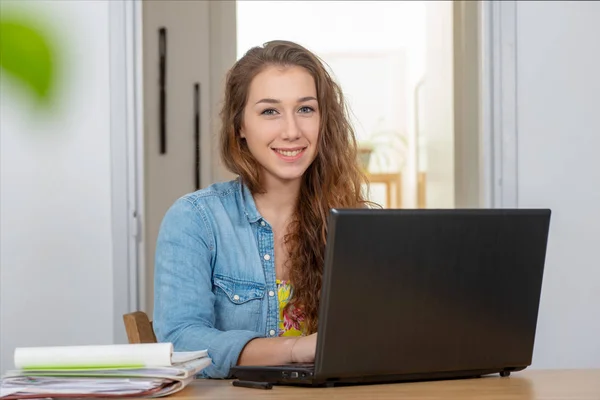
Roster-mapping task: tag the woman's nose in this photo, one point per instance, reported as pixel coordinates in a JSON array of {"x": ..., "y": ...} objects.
[{"x": 291, "y": 129}]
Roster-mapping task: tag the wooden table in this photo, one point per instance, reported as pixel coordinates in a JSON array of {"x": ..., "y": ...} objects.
[
  {"x": 391, "y": 181},
  {"x": 528, "y": 384}
]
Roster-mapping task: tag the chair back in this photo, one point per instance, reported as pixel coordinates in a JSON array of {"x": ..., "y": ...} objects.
[{"x": 139, "y": 328}]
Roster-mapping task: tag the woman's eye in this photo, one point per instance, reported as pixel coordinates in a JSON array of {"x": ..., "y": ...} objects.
[
  {"x": 306, "y": 110},
  {"x": 269, "y": 111}
]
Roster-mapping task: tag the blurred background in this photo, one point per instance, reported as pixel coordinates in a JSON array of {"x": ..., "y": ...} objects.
[{"x": 455, "y": 104}]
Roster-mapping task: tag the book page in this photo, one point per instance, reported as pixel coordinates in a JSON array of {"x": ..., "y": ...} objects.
[
  {"x": 100, "y": 356},
  {"x": 183, "y": 356}
]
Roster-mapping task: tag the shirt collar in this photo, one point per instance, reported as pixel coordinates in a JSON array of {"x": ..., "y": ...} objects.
[{"x": 248, "y": 203}]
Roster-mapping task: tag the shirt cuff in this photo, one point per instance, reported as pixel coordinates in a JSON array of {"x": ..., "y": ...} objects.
[{"x": 225, "y": 352}]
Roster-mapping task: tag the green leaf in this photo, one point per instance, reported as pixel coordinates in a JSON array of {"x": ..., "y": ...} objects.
[{"x": 26, "y": 54}]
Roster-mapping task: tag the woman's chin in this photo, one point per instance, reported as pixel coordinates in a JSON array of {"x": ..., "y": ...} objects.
[{"x": 287, "y": 175}]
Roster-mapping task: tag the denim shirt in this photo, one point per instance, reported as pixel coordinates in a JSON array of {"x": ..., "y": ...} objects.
[{"x": 214, "y": 278}]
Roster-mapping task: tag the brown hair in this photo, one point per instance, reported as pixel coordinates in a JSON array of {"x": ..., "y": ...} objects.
[{"x": 333, "y": 180}]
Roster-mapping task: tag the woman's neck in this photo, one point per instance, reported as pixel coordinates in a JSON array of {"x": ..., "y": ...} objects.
[{"x": 278, "y": 202}]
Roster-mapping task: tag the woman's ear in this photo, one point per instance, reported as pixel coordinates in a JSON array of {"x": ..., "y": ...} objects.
[{"x": 242, "y": 134}]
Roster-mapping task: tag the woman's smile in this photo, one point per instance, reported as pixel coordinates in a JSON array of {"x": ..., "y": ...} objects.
[{"x": 289, "y": 154}]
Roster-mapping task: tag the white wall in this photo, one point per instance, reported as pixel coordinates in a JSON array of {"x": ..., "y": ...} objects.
[
  {"x": 55, "y": 195},
  {"x": 558, "y": 128}
]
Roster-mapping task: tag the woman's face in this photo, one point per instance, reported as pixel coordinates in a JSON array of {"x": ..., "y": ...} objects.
[{"x": 281, "y": 122}]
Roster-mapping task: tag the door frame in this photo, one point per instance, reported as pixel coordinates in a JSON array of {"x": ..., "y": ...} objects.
[
  {"x": 499, "y": 136},
  {"x": 126, "y": 134}
]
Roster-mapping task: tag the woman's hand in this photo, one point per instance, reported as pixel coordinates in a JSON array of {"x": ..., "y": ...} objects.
[{"x": 304, "y": 348}]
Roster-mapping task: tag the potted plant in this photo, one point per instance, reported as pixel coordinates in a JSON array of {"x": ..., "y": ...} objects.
[
  {"x": 384, "y": 151},
  {"x": 365, "y": 149}
]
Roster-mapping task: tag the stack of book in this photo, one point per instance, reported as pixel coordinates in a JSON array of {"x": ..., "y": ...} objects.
[{"x": 106, "y": 371}]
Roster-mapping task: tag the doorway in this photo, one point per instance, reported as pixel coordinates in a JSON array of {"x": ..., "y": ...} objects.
[{"x": 415, "y": 109}]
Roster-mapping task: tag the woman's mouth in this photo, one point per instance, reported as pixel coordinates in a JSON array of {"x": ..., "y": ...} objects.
[{"x": 290, "y": 154}]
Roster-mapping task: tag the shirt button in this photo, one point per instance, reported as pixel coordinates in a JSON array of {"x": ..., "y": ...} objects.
[
  {"x": 262, "y": 223},
  {"x": 267, "y": 257},
  {"x": 236, "y": 297},
  {"x": 272, "y": 332},
  {"x": 271, "y": 293}
]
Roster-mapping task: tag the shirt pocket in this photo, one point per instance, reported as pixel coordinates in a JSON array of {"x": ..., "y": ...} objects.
[{"x": 238, "y": 304}]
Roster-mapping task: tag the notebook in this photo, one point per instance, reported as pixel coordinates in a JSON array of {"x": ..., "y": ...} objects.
[
  {"x": 102, "y": 356},
  {"x": 108, "y": 371}
]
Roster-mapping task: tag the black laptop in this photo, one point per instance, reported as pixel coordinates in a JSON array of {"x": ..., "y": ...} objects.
[{"x": 413, "y": 295}]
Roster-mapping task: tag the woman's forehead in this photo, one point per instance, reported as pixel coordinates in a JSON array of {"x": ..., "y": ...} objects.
[{"x": 282, "y": 84}]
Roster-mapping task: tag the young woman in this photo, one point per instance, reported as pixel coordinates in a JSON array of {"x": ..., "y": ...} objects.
[{"x": 239, "y": 264}]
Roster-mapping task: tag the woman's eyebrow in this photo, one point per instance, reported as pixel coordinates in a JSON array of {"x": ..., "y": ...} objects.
[
  {"x": 275, "y": 101},
  {"x": 307, "y": 98}
]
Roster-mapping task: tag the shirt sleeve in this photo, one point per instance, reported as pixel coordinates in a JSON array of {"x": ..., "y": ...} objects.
[{"x": 184, "y": 312}]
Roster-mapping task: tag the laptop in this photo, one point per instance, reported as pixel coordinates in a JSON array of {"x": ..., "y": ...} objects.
[{"x": 410, "y": 295}]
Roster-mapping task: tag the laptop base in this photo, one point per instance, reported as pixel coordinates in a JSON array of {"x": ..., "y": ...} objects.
[{"x": 292, "y": 375}]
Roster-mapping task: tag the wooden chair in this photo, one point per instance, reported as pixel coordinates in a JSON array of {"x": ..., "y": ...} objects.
[{"x": 139, "y": 328}]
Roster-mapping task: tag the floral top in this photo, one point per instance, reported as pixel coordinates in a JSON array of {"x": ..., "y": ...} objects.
[{"x": 292, "y": 323}]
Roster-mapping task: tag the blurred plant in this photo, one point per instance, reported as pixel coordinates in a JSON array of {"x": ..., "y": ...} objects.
[
  {"x": 385, "y": 150},
  {"x": 389, "y": 153},
  {"x": 28, "y": 55}
]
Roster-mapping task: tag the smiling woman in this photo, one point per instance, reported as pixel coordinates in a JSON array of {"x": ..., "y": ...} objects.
[{"x": 239, "y": 264}]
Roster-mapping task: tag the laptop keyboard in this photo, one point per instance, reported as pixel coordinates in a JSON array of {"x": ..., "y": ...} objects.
[{"x": 295, "y": 365}]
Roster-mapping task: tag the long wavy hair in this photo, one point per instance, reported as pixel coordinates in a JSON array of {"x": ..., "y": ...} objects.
[{"x": 333, "y": 180}]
